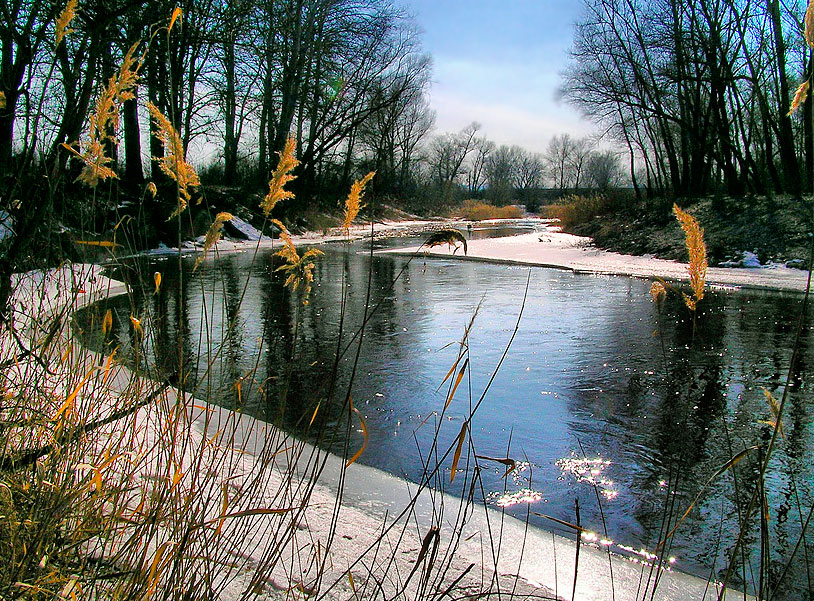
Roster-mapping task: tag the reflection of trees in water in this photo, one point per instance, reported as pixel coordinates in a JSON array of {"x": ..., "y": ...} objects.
[
  {"x": 701, "y": 411},
  {"x": 709, "y": 407}
]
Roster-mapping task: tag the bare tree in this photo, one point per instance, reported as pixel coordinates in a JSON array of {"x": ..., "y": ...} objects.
[
  {"x": 476, "y": 173},
  {"x": 530, "y": 172},
  {"x": 502, "y": 169},
  {"x": 580, "y": 150},
  {"x": 697, "y": 91},
  {"x": 603, "y": 170},
  {"x": 558, "y": 157},
  {"x": 448, "y": 154}
]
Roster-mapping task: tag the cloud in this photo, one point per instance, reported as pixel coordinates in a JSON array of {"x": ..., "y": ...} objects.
[{"x": 514, "y": 102}]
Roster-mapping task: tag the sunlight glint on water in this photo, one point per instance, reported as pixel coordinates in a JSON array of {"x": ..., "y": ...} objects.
[{"x": 585, "y": 374}]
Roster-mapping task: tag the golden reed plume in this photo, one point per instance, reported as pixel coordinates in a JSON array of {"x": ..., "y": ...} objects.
[
  {"x": 212, "y": 236},
  {"x": 694, "y": 238},
  {"x": 104, "y": 122},
  {"x": 280, "y": 177},
  {"x": 173, "y": 163},
  {"x": 300, "y": 269},
  {"x": 800, "y": 97},
  {"x": 63, "y": 20},
  {"x": 801, "y": 94},
  {"x": 658, "y": 292},
  {"x": 353, "y": 204}
]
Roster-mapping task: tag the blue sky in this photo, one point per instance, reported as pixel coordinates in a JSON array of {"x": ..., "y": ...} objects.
[{"x": 498, "y": 63}]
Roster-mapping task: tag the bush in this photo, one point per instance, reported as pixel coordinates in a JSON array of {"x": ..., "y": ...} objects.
[
  {"x": 576, "y": 209},
  {"x": 478, "y": 211}
]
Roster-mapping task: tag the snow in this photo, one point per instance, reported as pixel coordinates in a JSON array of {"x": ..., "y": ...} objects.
[
  {"x": 550, "y": 247},
  {"x": 6, "y": 225},
  {"x": 749, "y": 260}
]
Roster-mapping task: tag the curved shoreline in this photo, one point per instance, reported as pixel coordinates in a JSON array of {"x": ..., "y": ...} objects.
[
  {"x": 546, "y": 248},
  {"x": 543, "y": 563},
  {"x": 554, "y": 249}
]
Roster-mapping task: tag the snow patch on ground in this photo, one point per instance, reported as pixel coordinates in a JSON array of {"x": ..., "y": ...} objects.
[
  {"x": 550, "y": 247},
  {"x": 6, "y": 225},
  {"x": 747, "y": 259},
  {"x": 251, "y": 233}
]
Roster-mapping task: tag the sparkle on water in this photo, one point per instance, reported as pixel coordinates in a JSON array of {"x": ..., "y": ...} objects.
[{"x": 587, "y": 470}]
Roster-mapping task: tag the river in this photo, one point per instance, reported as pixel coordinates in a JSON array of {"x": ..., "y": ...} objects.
[{"x": 601, "y": 397}]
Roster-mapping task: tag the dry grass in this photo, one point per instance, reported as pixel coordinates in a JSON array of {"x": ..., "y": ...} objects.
[
  {"x": 353, "y": 204},
  {"x": 576, "y": 209},
  {"x": 478, "y": 211},
  {"x": 104, "y": 122},
  {"x": 281, "y": 177},
  {"x": 697, "y": 250},
  {"x": 173, "y": 164}
]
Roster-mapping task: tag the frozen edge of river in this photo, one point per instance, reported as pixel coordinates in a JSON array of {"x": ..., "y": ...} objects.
[
  {"x": 554, "y": 249},
  {"x": 545, "y": 560}
]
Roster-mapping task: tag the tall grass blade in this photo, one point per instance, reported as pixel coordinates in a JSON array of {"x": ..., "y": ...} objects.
[
  {"x": 364, "y": 433},
  {"x": 721, "y": 470},
  {"x": 458, "y": 379},
  {"x": 457, "y": 456}
]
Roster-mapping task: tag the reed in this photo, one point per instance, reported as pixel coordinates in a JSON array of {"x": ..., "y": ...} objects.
[
  {"x": 132, "y": 484},
  {"x": 480, "y": 211},
  {"x": 280, "y": 178},
  {"x": 697, "y": 250},
  {"x": 172, "y": 163},
  {"x": 353, "y": 204}
]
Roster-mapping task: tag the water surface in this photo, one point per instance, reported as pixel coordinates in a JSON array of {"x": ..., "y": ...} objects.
[{"x": 601, "y": 397}]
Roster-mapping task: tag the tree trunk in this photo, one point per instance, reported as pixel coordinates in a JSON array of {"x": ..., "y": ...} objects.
[
  {"x": 785, "y": 138},
  {"x": 133, "y": 169}
]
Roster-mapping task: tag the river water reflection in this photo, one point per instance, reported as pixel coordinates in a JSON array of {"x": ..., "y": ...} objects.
[{"x": 599, "y": 397}]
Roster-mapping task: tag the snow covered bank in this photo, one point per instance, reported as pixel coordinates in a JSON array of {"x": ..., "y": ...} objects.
[
  {"x": 245, "y": 452},
  {"x": 553, "y": 248}
]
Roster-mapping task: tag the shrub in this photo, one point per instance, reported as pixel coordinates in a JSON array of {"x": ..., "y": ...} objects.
[
  {"x": 577, "y": 209},
  {"x": 478, "y": 211}
]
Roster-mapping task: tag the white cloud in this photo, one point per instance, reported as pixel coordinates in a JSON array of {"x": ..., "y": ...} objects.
[{"x": 514, "y": 102}]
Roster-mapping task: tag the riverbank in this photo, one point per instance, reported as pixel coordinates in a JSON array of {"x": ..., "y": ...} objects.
[
  {"x": 554, "y": 248},
  {"x": 346, "y": 510},
  {"x": 549, "y": 247}
]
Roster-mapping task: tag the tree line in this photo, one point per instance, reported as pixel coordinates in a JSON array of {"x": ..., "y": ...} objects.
[
  {"x": 346, "y": 78},
  {"x": 466, "y": 165},
  {"x": 698, "y": 92}
]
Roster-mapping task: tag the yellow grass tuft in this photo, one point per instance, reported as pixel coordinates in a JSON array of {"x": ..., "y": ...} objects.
[
  {"x": 774, "y": 407},
  {"x": 2, "y": 100},
  {"x": 658, "y": 292},
  {"x": 809, "y": 24},
  {"x": 697, "y": 250},
  {"x": 152, "y": 189},
  {"x": 137, "y": 327},
  {"x": 478, "y": 211},
  {"x": 800, "y": 97},
  {"x": 365, "y": 434},
  {"x": 353, "y": 204},
  {"x": 107, "y": 322},
  {"x": 280, "y": 177},
  {"x": 63, "y": 20},
  {"x": 212, "y": 236},
  {"x": 173, "y": 163},
  {"x": 300, "y": 269},
  {"x": 104, "y": 122}
]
